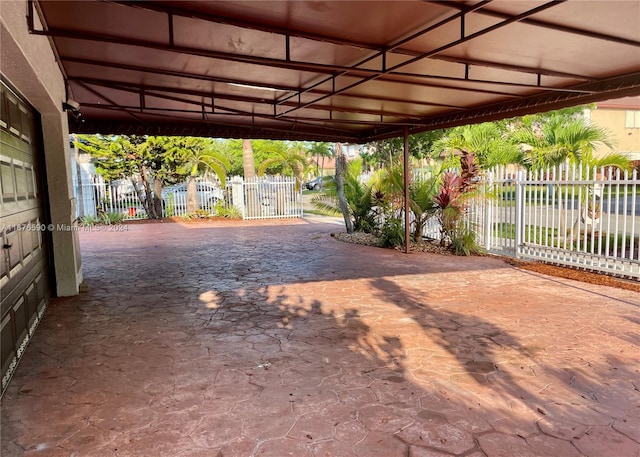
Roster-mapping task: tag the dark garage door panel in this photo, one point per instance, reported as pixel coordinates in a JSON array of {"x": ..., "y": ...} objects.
[{"x": 24, "y": 273}]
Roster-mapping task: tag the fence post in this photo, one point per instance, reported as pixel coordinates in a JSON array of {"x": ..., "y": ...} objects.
[
  {"x": 237, "y": 194},
  {"x": 520, "y": 206},
  {"x": 488, "y": 212}
]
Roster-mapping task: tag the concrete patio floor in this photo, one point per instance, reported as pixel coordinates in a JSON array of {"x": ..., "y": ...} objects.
[{"x": 274, "y": 339}]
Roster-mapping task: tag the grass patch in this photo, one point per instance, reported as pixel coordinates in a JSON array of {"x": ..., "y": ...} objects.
[
  {"x": 319, "y": 212},
  {"x": 543, "y": 235}
]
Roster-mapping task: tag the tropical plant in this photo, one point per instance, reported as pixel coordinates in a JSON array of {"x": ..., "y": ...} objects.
[
  {"x": 111, "y": 218},
  {"x": 423, "y": 189},
  {"x": 89, "y": 220},
  {"x": 489, "y": 142},
  {"x": 463, "y": 241},
  {"x": 230, "y": 212},
  {"x": 320, "y": 151},
  {"x": 455, "y": 190},
  {"x": 391, "y": 233},
  {"x": 563, "y": 139},
  {"x": 386, "y": 153},
  {"x": 196, "y": 155},
  {"x": 248, "y": 162},
  {"x": 360, "y": 198},
  {"x": 422, "y": 194},
  {"x": 292, "y": 161}
]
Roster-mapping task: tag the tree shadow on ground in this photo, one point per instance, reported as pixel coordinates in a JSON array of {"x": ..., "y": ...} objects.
[{"x": 229, "y": 343}]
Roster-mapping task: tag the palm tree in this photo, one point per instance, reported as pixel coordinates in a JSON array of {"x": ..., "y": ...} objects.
[
  {"x": 573, "y": 140},
  {"x": 422, "y": 192},
  {"x": 488, "y": 142},
  {"x": 359, "y": 199},
  {"x": 292, "y": 161},
  {"x": 560, "y": 140},
  {"x": 320, "y": 150},
  {"x": 248, "y": 163},
  {"x": 197, "y": 155}
]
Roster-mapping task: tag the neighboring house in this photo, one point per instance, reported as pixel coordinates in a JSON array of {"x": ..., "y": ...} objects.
[
  {"x": 328, "y": 164},
  {"x": 621, "y": 117}
]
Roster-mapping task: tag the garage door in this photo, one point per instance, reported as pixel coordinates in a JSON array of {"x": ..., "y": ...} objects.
[{"x": 24, "y": 279}]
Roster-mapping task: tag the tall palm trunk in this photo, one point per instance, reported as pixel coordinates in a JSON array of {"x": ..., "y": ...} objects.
[
  {"x": 341, "y": 166},
  {"x": 248, "y": 164},
  {"x": 249, "y": 167},
  {"x": 192, "y": 195}
]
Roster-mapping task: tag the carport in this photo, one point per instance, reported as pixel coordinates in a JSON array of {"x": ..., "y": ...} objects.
[
  {"x": 337, "y": 71},
  {"x": 301, "y": 70},
  {"x": 333, "y": 71}
]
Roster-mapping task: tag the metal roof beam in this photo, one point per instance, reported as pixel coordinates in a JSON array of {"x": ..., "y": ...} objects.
[
  {"x": 150, "y": 90},
  {"x": 216, "y": 130},
  {"x": 615, "y": 87},
  {"x": 442, "y": 48},
  {"x": 264, "y": 61},
  {"x": 308, "y": 120},
  {"x": 548, "y": 25},
  {"x": 108, "y": 100},
  {"x": 510, "y": 67},
  {"x": 182, "y": 12},
  {"x": 195, "y": 76},
  {"x": 227, "y": 110},
  {"x": 177, "y": 74},
  {"x": 391, "y": 47}
]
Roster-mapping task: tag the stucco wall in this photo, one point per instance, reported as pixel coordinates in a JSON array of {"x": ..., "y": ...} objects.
[
  {"x": 28, "y": 62},
  {"x": 625, "y": 140}
]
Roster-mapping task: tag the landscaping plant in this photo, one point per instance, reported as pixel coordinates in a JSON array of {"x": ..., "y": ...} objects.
[{"x": 455, "y": 190}]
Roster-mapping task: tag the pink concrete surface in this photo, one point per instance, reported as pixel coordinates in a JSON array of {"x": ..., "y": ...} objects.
[{"x": 274, "y": 339}]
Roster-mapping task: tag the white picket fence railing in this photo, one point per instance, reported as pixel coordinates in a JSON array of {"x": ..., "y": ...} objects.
[
  {"x": 265, "y": 197},
  {"x": 568, "y": 215}
]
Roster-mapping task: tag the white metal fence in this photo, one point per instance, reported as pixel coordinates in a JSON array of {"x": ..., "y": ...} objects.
[
  {"x": 266, "y": 198},
  {"x": 261, "y": 198},
  {"x": 568, "y": 215}
]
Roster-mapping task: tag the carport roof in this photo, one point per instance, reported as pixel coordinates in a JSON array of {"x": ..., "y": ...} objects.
[{"x": 334, "y": 70}]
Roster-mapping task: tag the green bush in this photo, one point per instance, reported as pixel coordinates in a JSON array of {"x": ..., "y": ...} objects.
[
  {"x": 391, "y": 233},
  {"x": 230, "y": 212},
  {"x": 463, "y": 241},
  {"x": 170, "y": 208},
  {"x": 89, "y": 221},
  {"x": 111, "y": 218}
]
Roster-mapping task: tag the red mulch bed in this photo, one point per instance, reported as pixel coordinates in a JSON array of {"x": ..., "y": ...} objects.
[{"x": 576, "y": 275}]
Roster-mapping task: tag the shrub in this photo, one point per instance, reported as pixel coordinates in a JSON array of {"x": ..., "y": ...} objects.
[
  {"x": 391, "y": 233},
  {"x": 111, "y": 218},
  {"x": 89, "y": 221},
  {"x": 463, "y": 241},
  {"x": 230, "y": 212},
  {"x": 170, "y": 207}
]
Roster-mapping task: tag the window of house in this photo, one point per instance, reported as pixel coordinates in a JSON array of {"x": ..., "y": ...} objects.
[{"x": 633, "y": 120}]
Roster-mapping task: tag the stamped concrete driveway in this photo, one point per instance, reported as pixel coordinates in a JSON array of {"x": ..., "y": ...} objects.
[{"x": 274, "y": 339}]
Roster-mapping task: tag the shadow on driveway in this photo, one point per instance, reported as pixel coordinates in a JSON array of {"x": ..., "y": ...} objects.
[{"x": 273, "y": 339}]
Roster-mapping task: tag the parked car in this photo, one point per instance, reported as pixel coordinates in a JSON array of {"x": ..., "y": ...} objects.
[
  {"x": 318, "y": 183},
  {"x": 208, "y": 194}
]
